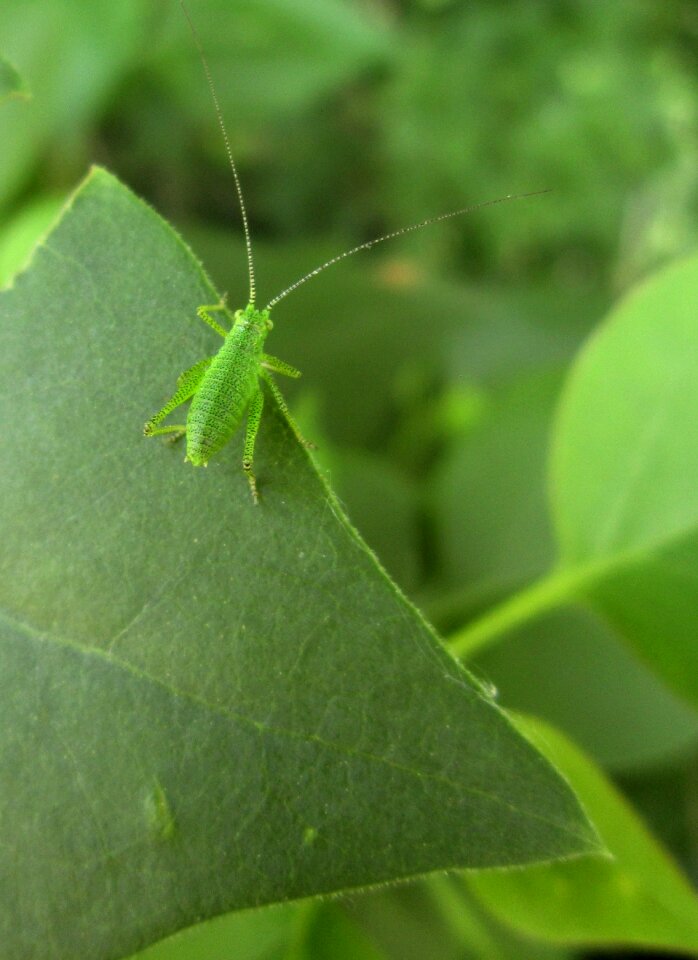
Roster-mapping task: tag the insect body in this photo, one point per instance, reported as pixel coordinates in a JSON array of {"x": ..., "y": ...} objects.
[{"x": 224, "y": 387}]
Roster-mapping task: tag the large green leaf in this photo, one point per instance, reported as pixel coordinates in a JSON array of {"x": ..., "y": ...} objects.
[
  {"x": 205, "y": 705},
  {"x": 637, "y": 897}
]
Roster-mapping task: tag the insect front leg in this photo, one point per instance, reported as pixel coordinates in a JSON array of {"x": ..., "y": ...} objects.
[
  {"x": 187, "y": 384},
  {"x": 278, "y": 396},
  {"x": 204, "y": 313},
  {"x": 254, "y": 418}
]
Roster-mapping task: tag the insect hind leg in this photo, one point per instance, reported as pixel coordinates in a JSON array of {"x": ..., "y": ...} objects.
[{"x": 254, "y": 418}]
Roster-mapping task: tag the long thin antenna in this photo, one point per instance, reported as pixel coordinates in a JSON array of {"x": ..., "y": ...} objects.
[
  {"x": 226, "y": 140},
  {"x": 397, "y": 233}
]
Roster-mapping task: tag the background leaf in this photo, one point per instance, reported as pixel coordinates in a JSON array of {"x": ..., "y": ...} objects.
[
  {"x": 499, "y": 538},
  {"x": 72, "y": 55},
  {"x": 214, "y": 693},
  {"x": 256, "y": 935},
  {"x": 625, "y": 472},
  {"x": 11, "y": 84},
  {"x": 21, "y": 234},
  {"x": 496, "y": 538},
  {"x": 438, "y": 919},
  {"x": 590, "y": 683},
  {"x": 638, "y": 896},
  {"x": 313, "y": 48},
  {"x": 624, "y": 481}
]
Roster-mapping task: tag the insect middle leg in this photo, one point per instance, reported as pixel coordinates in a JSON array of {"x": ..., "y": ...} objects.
[
  {"x": 278, "y": 396},
  {"x": 187, "y": 384},
  {"x": 279, "y": 366}
]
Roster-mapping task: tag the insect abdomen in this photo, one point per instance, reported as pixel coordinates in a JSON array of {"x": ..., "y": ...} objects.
[{"x": 224, "y": 394}]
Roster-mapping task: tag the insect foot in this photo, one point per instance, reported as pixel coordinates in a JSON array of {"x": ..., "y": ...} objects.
[{"x": 247, "y": 467}]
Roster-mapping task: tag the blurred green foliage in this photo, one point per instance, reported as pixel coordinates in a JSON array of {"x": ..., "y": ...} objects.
[
  {"x": 10, "y": 82},
  {"x": 432, "y": 366}
]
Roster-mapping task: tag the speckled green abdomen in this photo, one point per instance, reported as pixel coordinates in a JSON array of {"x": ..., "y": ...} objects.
[{"x": 224, "y": 393}]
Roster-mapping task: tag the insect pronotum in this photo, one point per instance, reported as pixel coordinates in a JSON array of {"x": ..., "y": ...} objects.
[{"x": 225, "y": 386}]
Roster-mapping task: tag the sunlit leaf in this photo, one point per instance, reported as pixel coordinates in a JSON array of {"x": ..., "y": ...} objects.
[{"x": 625, "y": 473}]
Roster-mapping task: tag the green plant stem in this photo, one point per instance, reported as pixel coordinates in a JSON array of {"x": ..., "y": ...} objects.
[{"x": 553, "y": 590}]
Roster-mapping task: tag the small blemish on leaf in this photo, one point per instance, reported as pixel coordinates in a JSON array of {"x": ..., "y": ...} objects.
[
  {"x": 159, "y": 813},
  {"x": 309, "y": 836}
]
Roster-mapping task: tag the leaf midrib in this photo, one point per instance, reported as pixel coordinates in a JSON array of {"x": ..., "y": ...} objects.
[{"x": 265, "y": 728}]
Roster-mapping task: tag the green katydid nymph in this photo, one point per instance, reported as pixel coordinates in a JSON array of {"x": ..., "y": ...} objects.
[{"x": 225, "y": 387}]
